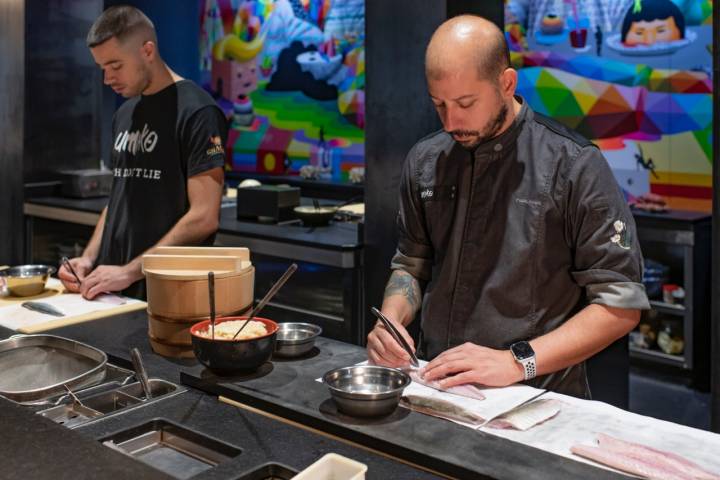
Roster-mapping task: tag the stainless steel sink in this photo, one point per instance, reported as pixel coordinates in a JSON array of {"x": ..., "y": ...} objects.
[
  {"x": 171, "y": 448},
  {"x": 95, "y": 406}
]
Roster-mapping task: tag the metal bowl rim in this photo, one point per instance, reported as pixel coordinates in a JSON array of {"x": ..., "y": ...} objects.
[
  {"x": 369, "y": 396},
  {"x": 9, "y": 272},
  {"x": 315, "y": 331}
]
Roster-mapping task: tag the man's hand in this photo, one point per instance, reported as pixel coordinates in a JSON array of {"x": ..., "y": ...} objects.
[
  {"x": 82, "y": 266},
  {"x": 107, "y": 278},
  {"x": 470, "y": 363},
  {"x": 384, "y": 350}
]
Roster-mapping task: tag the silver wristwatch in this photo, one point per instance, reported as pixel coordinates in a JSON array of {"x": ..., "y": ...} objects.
[{"x": 525, "y": 356}]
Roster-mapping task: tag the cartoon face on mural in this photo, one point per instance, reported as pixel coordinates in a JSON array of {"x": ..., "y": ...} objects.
[
  {"x": 234, "y": 66},
  {"x": 650, "y": 21},
  {"x": 234, "y": 80}
]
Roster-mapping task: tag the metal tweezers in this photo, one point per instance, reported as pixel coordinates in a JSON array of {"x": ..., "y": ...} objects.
[{"x": 396, "y": 335}]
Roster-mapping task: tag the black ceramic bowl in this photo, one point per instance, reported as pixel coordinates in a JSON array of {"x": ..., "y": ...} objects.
[{"x": 227, "y": 356}]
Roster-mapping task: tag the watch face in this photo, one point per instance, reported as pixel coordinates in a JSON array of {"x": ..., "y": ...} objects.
[{"x": 522, "y": 350}]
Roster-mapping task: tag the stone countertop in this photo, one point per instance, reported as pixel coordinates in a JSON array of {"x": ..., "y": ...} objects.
[
  {"x": 80, "y": 455},
  {"x": 287, "y": 389}
]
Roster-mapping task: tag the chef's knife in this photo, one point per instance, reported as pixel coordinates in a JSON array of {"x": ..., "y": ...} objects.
[
  {"x": 396, "y": 335},
  {"x": 42, "y": 307}
]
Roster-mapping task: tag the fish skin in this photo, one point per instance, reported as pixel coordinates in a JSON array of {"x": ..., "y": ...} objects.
[
  {"x": 468, "y": 390},
  {"x": 528, "y": 415},
  {"x": 441, "y": 408},
  {"x": 627, "y": 464},
  {"x": 668, "y": 459}
]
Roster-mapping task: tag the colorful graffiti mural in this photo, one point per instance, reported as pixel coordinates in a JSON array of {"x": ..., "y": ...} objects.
[
  {"x": 634, "y": 76},
  {"x": 290, "y": 75}
]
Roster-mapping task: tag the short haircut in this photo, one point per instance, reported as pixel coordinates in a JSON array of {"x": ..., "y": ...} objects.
[
  {"x": 121, "y": 22},
  {"x": 491, "y": 58},
  {"x": 653, "y": 10}
]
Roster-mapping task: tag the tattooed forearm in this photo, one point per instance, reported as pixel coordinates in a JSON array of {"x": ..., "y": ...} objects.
[{"x": 402, "y": 283}]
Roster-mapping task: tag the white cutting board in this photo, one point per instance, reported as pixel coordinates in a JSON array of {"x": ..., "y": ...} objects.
[{"x": 76, "y": 309}]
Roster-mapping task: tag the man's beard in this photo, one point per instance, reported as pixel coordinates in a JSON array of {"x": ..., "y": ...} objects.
[{"x": 489, "y": 132}]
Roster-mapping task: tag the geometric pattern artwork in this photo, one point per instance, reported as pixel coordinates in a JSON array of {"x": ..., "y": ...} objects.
[
  {"x": 601, "y": 109},
  {"x": 613, "y": 71}
]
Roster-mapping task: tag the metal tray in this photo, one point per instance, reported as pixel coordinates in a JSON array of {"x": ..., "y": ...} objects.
[
  {"x": 171, "y": 448},
  {"x": 34, "y": 368},
  {"x": 100, "y": 403}
]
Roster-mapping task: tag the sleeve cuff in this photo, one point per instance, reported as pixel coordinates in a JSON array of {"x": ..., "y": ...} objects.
[
  {"x": 218, "y": 161},
  {"x": 629, "y": 295},
  {"x": 419, "y": 268}
]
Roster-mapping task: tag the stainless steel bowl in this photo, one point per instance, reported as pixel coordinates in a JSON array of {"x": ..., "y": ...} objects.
[
  {"x": 295, "y": 339},
  {"x": 26, "y": 280},
  {"x": 366, "y": 391}
]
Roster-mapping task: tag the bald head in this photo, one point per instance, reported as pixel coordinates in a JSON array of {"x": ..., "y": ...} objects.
[{"x": 467, "y": 40}]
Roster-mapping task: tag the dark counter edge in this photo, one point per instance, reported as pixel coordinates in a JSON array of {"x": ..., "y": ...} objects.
[{"x": 558, "y": 466}]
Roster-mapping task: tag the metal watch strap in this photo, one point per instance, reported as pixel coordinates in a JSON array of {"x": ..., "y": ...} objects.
[{"x": 529, "y": 368}]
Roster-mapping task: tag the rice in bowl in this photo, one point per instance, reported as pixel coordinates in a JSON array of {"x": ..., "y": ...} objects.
[{"x": 226, "y": 330}]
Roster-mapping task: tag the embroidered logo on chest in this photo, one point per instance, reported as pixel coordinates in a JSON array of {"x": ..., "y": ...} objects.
[
  {"x": 426, "y": 193},
  {"x": 621, "y": 237}
]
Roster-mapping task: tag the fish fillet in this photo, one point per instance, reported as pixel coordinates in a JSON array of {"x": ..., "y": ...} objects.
[
  {"x": 111, "y": 299},
  {"x": 527, "y": 415},
  {"x": 468, "y": 390},
  {"x": 628, "y": 464},
  {"x": 666, "y": 459},
  {"x": 441, "y": 408}
]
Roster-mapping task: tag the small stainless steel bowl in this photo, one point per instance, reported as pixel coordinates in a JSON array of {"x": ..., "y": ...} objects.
[
  {"x": 26, "y": 280},
  {"x": 315, "y": 217},
  {"x": 295, "y": 339},
  {"x": 366, "y": 391}
]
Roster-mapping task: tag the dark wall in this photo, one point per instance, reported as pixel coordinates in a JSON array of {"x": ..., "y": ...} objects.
[
  {"x": 398, "y": 113},
  {"x": 492, "y": 10},
  {"x": 62, "y": 88},
  {"x": 12, "y": 72}
]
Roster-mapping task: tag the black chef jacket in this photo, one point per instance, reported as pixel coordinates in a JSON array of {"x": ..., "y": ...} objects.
[{"x": 515, "y": 237}]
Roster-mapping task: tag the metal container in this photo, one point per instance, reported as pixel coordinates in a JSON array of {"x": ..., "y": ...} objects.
[
  {"x": 366, "y": 391},
  {"x": 86, "y": 183},
  {"x": 26, "y": 280},
  {"x": 172, "y": 448},
  {"x": 295, "y": 339},
  {"x": 36, "y": 367},
  {"x": 315, "y": 217},
  {"x": 233, "y": 356},
  {"x": 96, "y": 405}
]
